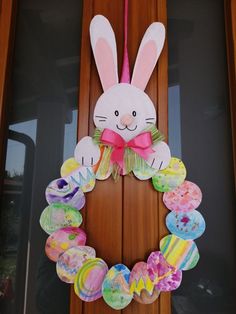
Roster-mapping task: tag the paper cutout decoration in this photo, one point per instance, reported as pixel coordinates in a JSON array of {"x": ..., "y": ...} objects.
[
  {"x": 141, "y": 284},
  {"x": 180, "y": 253},
  {"x": 69, "y": 263},
  {"x": 186, "y": 197},
  {"x": 57, "y": 215},
  {"x": 171, "y": 177},
  {"x": 125, "y": 140},
  {"x": 144, "y": 173},
  {"x": 161, "y": 157},
  {"x": 63, "y": 239},
  {"x": 103, "y": 168},
  {"x": 62, "y": 191},
  {"x": 115, "y": 287},
  {"x": 86, "y": 152},
  {"x": 68, "y": 167},
  {"x": 163, "y": 275},
  {"x": 188, "y": 226},
  {"x": 89, "y": 279}
]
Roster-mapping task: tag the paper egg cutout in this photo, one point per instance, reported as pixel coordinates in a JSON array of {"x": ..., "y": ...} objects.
[
  {"x": 145, "y": 172},
  {"x": 115, "y": 287},
  {"x": 188, "y": 226},
  {"x": 63, "y": 239},
  {"x": 62, "y": 191},
  {"x": 103, "y": 168},
  {"x": 56, "y": 216},
  {"x": 84, "y": 178},
  {"x": 69, "y": 166},
  {"x": 171, "y": 177},
  {"x": 170, "y": 282},
  {"x": 89, "y": 279},
  {"x": 157, "y": 266},
  {"x": 186, "y": 197},
  {"x": 164, "y": 276},
  {"x": 69, "y": 263},
  {"x": 179, "y": 253},
  {"x": 141, "y": 285}
]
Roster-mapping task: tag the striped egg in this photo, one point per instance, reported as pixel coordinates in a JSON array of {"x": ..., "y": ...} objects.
[
  {"x": 103, "y": 168},
  {"x": 89, "y": 279},
  {"x": 188, "y": 226},
  {"x": 115, "y": 287},
  {"x": 179, "y": 253},
  {"x": 62, "y": 191}
]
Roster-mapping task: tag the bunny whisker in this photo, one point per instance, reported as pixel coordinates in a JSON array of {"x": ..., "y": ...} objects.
[
  {"x": 149, "y": 122},
  {"x": 102, "y": 117},
  {"x": 150, "y": 119},
  {"x": 102, "y": 120}
]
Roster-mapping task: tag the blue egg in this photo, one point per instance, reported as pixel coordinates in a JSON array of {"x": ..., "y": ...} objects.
[{"x": 188, "y": 226}]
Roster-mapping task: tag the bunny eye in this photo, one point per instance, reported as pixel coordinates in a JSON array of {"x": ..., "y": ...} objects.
[
  {"x": 134, "y": 113},
  {"x": 117, "y": 113}
]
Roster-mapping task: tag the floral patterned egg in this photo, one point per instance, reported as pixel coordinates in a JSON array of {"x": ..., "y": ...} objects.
[
  {"x": 89, "y": 279},
  {"x": 171, "y": 177},
  {"x": 115, "y": 287},
  {"x": 184, "y": 198},
  {"x": 163, "y": 275},
  {"x": 190, "y": 225},
  {"x": 62, "y": 191},
  {"x": 63, "y": 239},
  {"x": 141, "y": 284},
  {"x": 69, "y": 263},
  {"x": 56, "y": 216},
  {"x": 179, "y": 253}
]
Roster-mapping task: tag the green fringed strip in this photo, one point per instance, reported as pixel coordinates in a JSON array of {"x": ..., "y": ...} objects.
[
  {"x": 105, "y": 162},
  {"x": 97, "y": 135},
  {"x": 156, "y": 134}
]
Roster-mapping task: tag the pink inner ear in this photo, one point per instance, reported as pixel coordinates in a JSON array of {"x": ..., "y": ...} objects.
[
  {"x": 105, "y": 64},
  {"x": 145, "y": 63}
]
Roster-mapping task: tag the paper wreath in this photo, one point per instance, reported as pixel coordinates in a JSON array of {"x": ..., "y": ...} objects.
[{"x": 125, "y": 141}]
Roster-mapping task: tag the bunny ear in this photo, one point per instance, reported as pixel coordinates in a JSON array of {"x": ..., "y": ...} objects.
[
  {"x": 104, "y": 49},
  {"x": 148, "y": 54}
]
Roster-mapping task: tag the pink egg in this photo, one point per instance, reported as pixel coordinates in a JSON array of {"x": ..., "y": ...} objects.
[
  {"x": 184, "y": 198},
  {"x": 63, "y": 239}
]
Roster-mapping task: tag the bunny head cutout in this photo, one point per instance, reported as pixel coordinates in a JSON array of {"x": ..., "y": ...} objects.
[{"x": 124, "y": 107}]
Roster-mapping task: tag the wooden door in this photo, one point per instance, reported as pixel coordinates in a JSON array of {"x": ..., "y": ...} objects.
[{"x": 124, "y": 221}]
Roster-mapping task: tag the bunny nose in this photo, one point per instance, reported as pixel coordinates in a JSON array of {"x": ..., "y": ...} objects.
[{"x": 126, "y": 120}]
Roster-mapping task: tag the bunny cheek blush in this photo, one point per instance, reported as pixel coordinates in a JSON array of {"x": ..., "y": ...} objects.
[
  {"x": 125, "y": 141},
  {"x": 117, "y": 103}
]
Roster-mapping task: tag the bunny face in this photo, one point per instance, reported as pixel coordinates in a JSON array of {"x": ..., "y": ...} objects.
[{"x": 125, "y": 109}]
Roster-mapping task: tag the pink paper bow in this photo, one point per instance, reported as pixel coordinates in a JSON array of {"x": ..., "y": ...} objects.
[{"x": 141, "y": 145}]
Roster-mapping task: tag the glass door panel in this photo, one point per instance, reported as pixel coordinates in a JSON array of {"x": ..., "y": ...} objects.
[
  {"x": 200, "y": 134},
  {"x": 42, "y": 134}
]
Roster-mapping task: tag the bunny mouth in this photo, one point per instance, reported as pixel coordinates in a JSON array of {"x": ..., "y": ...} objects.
[{"x": 126, "y": 128}]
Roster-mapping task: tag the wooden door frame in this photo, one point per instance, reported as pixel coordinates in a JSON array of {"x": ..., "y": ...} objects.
[{"x": 230, "y": 29}]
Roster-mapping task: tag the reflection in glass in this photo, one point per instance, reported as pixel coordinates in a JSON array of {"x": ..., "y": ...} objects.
[
  {"x": 42, "y": 133},
  {"x": 199, "y": 116}
]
